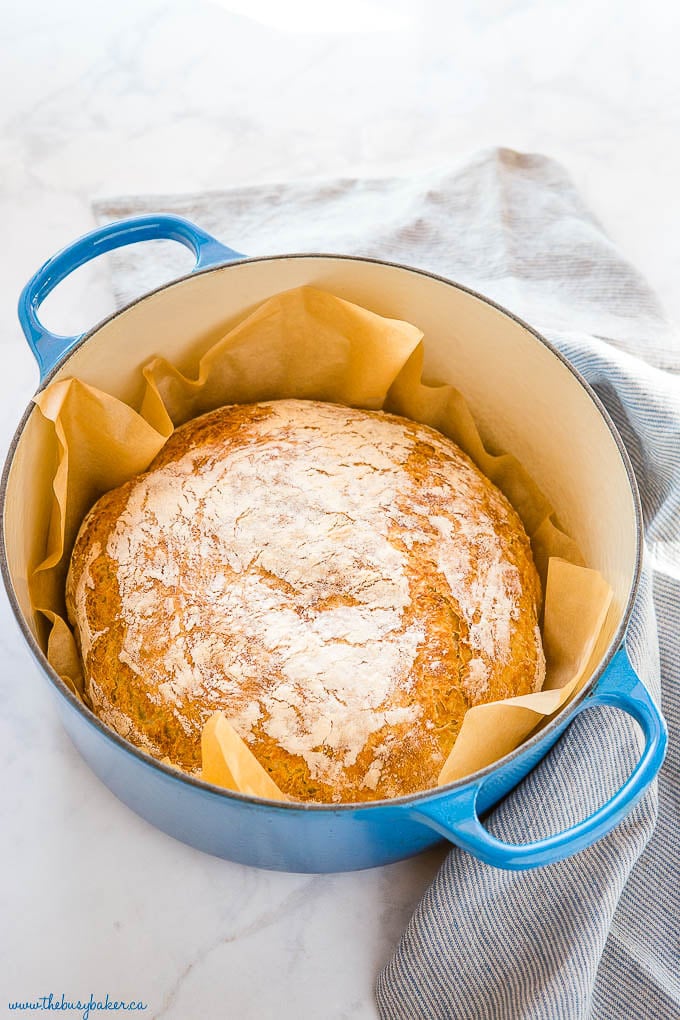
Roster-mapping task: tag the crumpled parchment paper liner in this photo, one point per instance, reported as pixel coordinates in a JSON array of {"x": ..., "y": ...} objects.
[
  {"x": 228, "y": 761},
  {"x": 98, "y": 443},
  {"x": 445, "y": 409},
  {"x": 303, "y": 343},
  {"x": 576, "y": 604}
]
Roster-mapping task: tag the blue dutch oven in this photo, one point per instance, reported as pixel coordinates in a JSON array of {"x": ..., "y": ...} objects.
[{"x": 525, "y": 397}]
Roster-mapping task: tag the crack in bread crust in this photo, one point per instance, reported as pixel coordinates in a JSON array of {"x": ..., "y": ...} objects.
[{"x": 343, "y": 584}]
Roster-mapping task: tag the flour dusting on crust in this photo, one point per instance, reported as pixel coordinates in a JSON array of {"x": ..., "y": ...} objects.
[{"x": 281, "y": 572}]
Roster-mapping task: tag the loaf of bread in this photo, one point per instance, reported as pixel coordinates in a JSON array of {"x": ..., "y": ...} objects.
[{"x": 342, "y": 584}]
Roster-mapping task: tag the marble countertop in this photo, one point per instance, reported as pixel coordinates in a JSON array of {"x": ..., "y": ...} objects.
[{"x": 174, "y": 95}]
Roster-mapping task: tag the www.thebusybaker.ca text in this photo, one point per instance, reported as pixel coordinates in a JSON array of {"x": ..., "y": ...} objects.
[{"x": 84, "y": 1007}]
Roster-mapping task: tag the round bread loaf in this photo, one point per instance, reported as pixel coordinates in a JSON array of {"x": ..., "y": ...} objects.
[{"x": 343, "y": 584}]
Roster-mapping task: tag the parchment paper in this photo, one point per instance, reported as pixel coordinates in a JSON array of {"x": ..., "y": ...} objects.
[{"x": 304, "y": 343}]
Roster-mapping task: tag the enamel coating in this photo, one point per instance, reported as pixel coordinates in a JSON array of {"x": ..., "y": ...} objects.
[
  {"x": 311, "y": 837},
  {"x": 48, "y": 347}
]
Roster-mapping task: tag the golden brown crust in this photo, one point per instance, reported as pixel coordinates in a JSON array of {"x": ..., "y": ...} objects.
[{"x": 343, "y": 584}]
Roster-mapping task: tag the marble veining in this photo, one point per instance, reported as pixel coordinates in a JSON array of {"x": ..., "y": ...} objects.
[{"x": 175, "y": 95}]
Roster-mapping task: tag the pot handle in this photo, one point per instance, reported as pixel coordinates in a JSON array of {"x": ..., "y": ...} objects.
[
  {"x": 455, "y": 816},
  {"x": 49, "y": 347}
]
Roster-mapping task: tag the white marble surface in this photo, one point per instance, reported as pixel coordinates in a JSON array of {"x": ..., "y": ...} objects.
[{"x": 172, "y": 95}]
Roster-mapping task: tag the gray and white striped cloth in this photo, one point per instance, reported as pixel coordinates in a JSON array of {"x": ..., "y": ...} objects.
[{"x": 597, "y": 935}]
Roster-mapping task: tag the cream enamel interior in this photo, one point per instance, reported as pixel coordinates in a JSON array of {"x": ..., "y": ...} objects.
[{"x": 524, "y": 399}]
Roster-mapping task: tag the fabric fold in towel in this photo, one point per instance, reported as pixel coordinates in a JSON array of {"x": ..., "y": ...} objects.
[{"x": 597, "y": 935}]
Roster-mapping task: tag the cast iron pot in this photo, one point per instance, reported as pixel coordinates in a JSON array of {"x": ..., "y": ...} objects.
[{"x": 525, "y": 398}]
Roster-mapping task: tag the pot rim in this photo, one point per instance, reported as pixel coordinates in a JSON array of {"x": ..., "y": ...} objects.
[{"x": 473, "y": 779}]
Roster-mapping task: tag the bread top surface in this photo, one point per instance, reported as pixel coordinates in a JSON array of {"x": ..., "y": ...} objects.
[{"x": 343, "y": 584}]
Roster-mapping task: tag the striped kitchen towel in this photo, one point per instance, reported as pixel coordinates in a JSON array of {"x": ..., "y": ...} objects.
[{"x": 597, "y": 935}]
